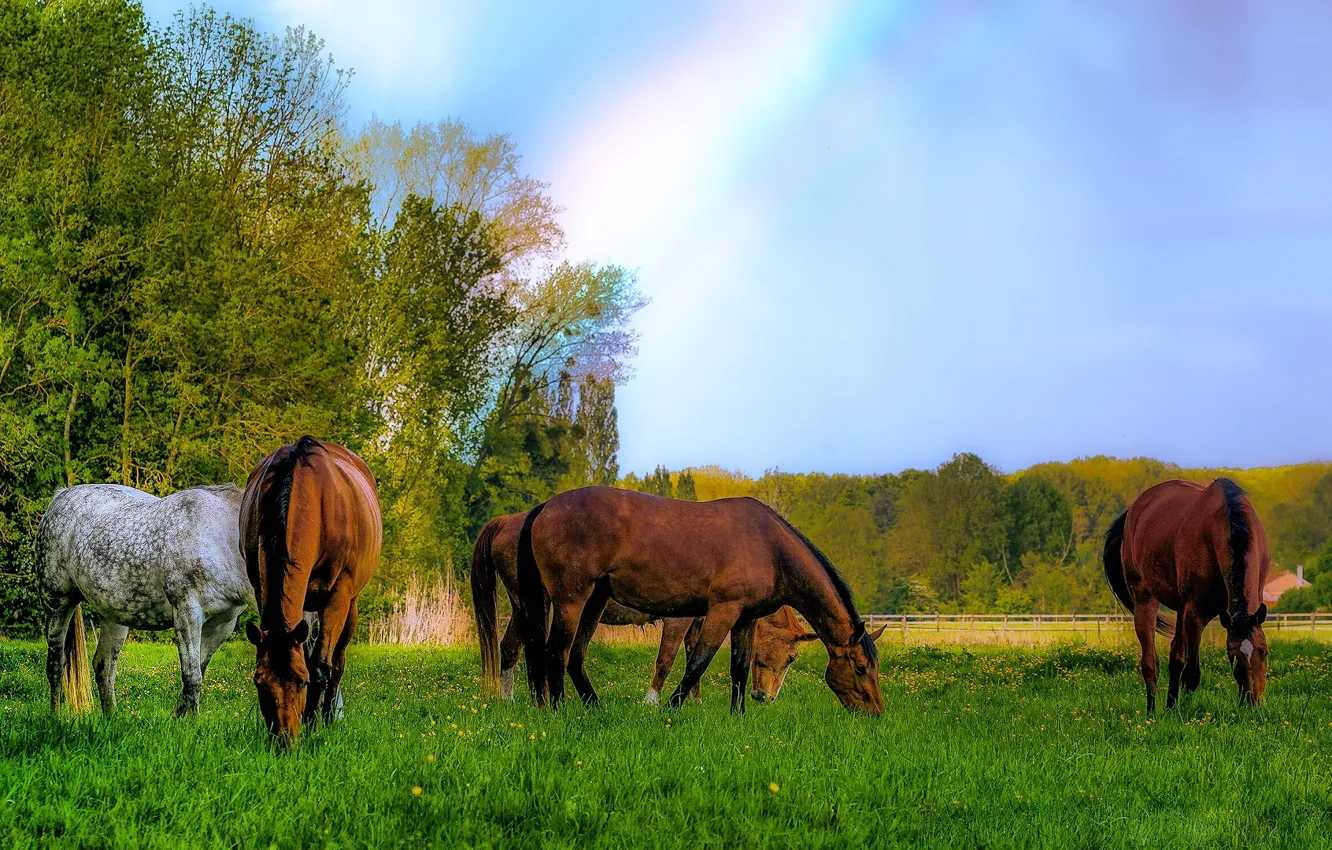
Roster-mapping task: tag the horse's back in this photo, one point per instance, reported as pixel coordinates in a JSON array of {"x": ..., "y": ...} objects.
[
  {"x": 351, "y": 525},
  {"x": 664, "y": 556},
  {"x": 131, "y": 555},
  {"x": 1175, "y": 539}
]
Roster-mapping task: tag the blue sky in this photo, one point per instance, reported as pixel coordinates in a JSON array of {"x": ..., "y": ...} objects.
[{"x": 879, "y": 233}]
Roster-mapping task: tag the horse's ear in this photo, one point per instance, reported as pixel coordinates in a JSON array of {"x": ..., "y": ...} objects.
[
  {"x": 1260, "y": 615},
  {"x": 1225, "y": 620},
  {"x": 254, "y": 633},
  {"x": 300, "y": 633},
  {"x": 801, "y": 638},
  {"x": 874, "y": 635}
]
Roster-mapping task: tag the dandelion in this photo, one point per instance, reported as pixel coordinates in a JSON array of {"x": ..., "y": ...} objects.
[
  {"x": 532, "y": 736},
  {"x": 774, "y": 787},
  {"x": 430, "y": 757},
  {"x": 417, "y": 790}
]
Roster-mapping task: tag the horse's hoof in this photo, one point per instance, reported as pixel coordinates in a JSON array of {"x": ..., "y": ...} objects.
[
  {"x": 187, "y": 711},
  {"x": 652, "y": 697}
]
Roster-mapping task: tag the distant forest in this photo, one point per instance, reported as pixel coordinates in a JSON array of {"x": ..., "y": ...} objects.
[{"x": 967, "y": 538}]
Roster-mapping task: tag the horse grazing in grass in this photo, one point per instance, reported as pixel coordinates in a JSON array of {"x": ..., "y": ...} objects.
[
  {"x": 139, "y": 562},
  {"x": 776, "y": 637},
  {"x": 1201, "y": 551},
  {"x": 729, "y": 561},
  {"x": 310, "y": 532}
]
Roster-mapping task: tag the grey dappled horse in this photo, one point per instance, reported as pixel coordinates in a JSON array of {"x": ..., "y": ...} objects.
[{"x": 142, "y": 562}]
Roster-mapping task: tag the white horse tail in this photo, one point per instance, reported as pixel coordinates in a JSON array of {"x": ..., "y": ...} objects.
[{"x": 77, "y": 682}]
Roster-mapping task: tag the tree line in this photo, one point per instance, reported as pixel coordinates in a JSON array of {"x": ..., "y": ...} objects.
[
  {"x": 967, "y": 538},
  {"x": 200, "y": 261}
]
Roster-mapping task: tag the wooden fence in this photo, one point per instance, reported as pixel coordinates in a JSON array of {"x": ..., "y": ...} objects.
[{"x": 1029, "y": 627}]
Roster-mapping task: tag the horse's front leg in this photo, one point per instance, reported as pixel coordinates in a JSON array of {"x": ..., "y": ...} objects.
[
  {"x": 333, "y": 621},
  {"x": 718, "y": 621},
  {"x": 742, "y": 653},
  {"x": 188, "y": 620},
  {"x": 332, "y": 707},
  {"x": 57, "y": 626}
]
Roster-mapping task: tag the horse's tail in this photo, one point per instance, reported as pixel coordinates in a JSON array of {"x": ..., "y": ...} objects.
[
  {"x": 77, "y": 684},
  {"x": 1238, "y": 538},
  {"x": 532, "y": 607},
  {"x": 1114, "y": 573},
  {"x": 483, "y": 605}
]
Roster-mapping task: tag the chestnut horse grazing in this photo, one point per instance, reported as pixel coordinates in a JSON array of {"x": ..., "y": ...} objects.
[
  {"x": 729, "y": 561},
  {"x": 310, "y": 532},
  {"x": 1201, "y": 551},
  {"x": 777, "y": 637}
]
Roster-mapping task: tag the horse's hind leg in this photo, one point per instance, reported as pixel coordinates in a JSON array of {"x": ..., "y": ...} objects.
[
  {"x": 672, "y": 635},
  {"x": 57, "y": 625},
  {"x": 1177, "y": 659},
  {"x": 587, "y": 626},
  {"x": 109, "y": 643},
  {"x": 719, "y": 620},
  {"x": 188, "y": 621},
  {"x": 510, "y": 648},
  {"x": 1144, "y": 623},
  {"x": 742, "y": 652},
  {"x": 563, "y": 630}
]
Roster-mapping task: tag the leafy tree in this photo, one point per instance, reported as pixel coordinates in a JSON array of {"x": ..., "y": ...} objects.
[
  {"x": 684, "y": 487},
  {"x": 1039, "y": 520}
]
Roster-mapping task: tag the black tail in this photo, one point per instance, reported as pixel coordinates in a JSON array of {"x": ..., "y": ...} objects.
[
  {"x": 532, "y": 620},
  {"x": 483, "y": 604},
  {"x": 1114, "y": 573},
  {"x": 1238, "y": 536},
  {"x": 273, "y": 502}
]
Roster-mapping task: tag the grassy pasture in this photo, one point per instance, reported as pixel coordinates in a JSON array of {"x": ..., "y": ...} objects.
[{"x": 979, "y": 746}]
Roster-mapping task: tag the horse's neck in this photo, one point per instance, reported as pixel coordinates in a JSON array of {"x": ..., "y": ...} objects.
[
  {"x": 284, "y": 602},
  {"x": 821, "y": 604}
]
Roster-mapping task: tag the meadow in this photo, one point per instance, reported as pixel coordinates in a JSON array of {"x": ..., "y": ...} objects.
[{"x": 978, "y": 747}]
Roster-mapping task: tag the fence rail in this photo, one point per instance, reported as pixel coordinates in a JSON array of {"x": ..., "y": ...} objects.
[{"x": 1018, "y": 626}]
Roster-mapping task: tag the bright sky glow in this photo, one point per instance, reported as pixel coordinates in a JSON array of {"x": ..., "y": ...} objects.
[{"x": 877, "y": 234}]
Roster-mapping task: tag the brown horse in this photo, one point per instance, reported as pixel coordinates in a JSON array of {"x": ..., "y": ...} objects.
[
  {"x": 496, "y": 553},
  {"x": 730, "y": 561},
  {"x": 776, "y": 637},
  {"x": 1201, "y": 551},
  {"x": 310, "y": 533}
]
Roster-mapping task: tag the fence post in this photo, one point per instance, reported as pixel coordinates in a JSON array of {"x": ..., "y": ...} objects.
[
  {"x": 1313, "y": 618},
  {"x": 938, "y": 621},
  {"x": 1005, "y": 628},
  {"x": 904, "y": 627}
]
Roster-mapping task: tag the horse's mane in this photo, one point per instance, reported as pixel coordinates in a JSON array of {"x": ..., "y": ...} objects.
[
  {"x": 839, "y": 584},
  {"x": 274, "y": 500},
  {"x": 1237, "y": 530}
]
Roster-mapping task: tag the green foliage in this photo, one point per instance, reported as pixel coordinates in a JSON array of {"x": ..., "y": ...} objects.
[
  {"x": 196, "y": 266},
  {"x": 684, "y": 487}
]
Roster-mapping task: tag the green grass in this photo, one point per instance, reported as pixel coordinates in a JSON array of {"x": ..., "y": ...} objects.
[{"x": 988, "y": 747}]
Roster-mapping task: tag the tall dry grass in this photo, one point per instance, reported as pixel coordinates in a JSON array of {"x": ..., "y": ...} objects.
[{"x": 428, "y": 612}]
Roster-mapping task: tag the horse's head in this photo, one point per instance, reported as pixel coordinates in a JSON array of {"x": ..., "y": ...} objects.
[
  {"x": 775, "y": 650},
  {"x": 853, "y": 672},
  {"x": 1246, "y": 647},
  {"x": 281, "y": 678}
]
